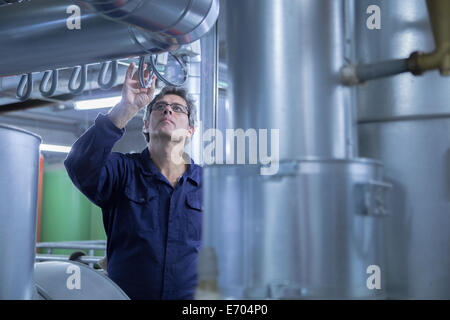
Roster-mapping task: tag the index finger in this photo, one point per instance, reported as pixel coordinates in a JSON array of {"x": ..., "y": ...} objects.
[
  {"x": 130, "y": 71},
  {"x": 151, "y": 90}
]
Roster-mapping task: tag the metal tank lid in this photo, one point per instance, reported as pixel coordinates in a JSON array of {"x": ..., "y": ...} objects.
[{"x": 8, "y": 127}]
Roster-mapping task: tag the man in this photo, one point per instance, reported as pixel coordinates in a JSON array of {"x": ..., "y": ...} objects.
[{"x": 151, "y": 201}]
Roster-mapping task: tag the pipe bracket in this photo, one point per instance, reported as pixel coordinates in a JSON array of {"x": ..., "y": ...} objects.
[
  {"x": 73, "y": 78},
  {"x": 26, "y": 79},
  {"x": 101, "y": 76},
  {"x": 54, "y": 74}
]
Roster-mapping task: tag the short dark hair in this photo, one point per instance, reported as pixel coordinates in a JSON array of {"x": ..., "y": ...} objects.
[{"x": 179, "y": 91}]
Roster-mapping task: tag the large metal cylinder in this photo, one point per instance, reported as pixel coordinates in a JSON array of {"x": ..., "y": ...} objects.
[
  {"x": 416, "y": 155},
  {"x": 283, "y": 61},
  {"x": 305, "y": 233},
  {"x": 309, "y": 230},
  {"x": 19, "y": 170},
  {"x": 408, "y": 128}
]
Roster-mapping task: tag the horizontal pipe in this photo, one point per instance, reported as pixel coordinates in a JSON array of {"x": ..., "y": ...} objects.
[
  {"x": 382, "y": 69},
  {"x": 55, "y": 257},
  {"x": 31, "y": 41},
  {"x": 70, "y": 246},
  {"x": 359, "y": 73}
]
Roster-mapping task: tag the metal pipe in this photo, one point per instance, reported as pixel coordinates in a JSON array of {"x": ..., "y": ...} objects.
[
  {"x": 27, "y": 33},
  {"x": 418, "y": 62},
  {"x": 70, "y": 246},
  {"x": 439, "y": 14},
  {"x": 207, "y": 270},
  {"x": 54, "y": 257},
  {"x": 176, "y": 21},
  {"x": 357, "y": 74}
]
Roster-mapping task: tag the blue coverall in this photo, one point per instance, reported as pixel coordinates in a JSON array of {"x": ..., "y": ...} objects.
[{"x": 153, "y": 229}]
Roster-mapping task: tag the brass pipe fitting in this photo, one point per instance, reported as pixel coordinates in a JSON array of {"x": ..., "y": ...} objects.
[{"x": 439, "y": 13}]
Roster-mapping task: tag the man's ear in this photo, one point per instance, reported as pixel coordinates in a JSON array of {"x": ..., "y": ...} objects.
[
  {"x": 191, "y": 130},
  {"x": 145, "y": 128}
]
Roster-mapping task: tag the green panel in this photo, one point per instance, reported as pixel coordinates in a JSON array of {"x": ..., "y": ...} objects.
[
  {"x": 97, "y": 229},
  {"x": 66, "y": 212}
]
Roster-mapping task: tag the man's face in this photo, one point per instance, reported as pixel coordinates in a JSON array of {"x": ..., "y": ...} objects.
[{"x": 166, "y": 121}]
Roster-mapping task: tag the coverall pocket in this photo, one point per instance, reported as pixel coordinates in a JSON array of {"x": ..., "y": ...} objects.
[
  {"x": 194, "y": 215},
  {"x": 143, "y": 209}
]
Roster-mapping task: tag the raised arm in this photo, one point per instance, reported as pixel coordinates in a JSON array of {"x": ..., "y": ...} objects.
[{"x": 93, "y": 168}]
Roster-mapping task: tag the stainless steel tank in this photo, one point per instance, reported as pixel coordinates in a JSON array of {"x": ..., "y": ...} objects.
[
  {"x": 313, "y": 228},
  {"x": 19, "y": 171},
  {"x": 405, "y": 122},
  {"x": 305, "y": 233},
  {"x": 70, "y": 280}
]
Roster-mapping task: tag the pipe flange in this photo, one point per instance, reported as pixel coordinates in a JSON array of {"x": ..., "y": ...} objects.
[{"x": 413, "y": 63}]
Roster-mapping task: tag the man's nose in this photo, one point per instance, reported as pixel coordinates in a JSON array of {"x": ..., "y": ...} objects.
[{"x": 167, "y": 110}]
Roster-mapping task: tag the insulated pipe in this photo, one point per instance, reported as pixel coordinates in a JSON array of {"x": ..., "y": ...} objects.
[
  {"x": 181, "y": 20},
  {"x": 31, "y": 41}
]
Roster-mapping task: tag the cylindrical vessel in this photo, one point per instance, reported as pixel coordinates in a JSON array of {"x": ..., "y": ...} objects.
[
  {"x": 19, "y": 173},
  {"x": 70, "y": 280},
  {"x": 416, "y": 155},
  {"x": 407, "y": 127},
  {"x": 284, "y": 58},
  {"x": 305, "y": 233},
  {"x": 311, "y": 228}
]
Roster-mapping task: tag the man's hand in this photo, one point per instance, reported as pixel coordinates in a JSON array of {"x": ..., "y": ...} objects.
[
  {"x": 134, "y": 98},
  {"x": 133, "y": 94}
]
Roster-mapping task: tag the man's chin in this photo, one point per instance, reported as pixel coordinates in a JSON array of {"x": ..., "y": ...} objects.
[{"x": 168, "y": 134}]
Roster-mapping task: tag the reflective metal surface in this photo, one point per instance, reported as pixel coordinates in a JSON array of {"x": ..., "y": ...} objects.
[
  {"x": 19, "y": 169},
  {"x": 57, "y": 280},
  {"x": 301, "y": 234},
  {"x": 176, "y": 21},
  {"x": 284, "y": 58},
  {"x": 405, "y": 28},
  {"x": 404, "y": 122},
  {"x": 416, "y": 155},
  {"x": 313, "y": 228},
  {"x": 44, "y": 41}
]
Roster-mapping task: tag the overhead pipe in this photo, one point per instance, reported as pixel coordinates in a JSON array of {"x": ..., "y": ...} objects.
[
  {"x": 34, "y": 42},
  {"x": 180, "y": 20}
]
